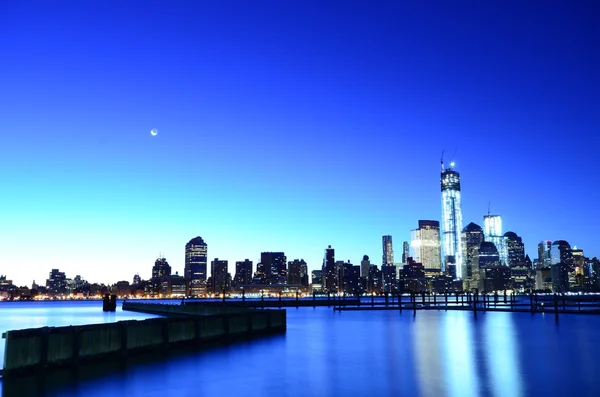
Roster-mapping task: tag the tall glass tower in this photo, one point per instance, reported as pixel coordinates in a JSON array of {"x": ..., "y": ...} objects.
[
  {"x": 492, "y": 230},
  {"x": 451, "y": 222},
  {"x": 195, "y": 265},
  {"x": 388, "y": 251}
]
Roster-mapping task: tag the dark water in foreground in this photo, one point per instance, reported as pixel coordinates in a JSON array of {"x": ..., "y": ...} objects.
[{"x": 363, "y": 353}]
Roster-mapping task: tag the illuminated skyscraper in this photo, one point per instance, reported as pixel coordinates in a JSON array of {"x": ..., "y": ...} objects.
[
  {"x": 243, "y": 272},
  {"x": 492, "y": 230},
  {"x": 161, "y": 269},
  {"x": 472, "y": 237},
  {"x": 425, "y": 244},
  {"x": 406, "y": 250},
  {"x": 195, "y": 265},
  {"x": 274, "y": 267},
  {"x": 330, "y": 279},
  {"x": 388, "y": 251},
  {"x": 451, "y": 221},
  {"x": 562, "y": 263},
  {"x": 515, "y": 249}
]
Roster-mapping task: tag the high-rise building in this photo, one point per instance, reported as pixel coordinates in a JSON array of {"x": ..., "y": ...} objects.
[
  {"x": 220, "y": 278},
  {"x": 406, "y": 251},
  {"x": 297, "y": 272},
  {"x": 161, "y": 269},
  {"x": 544, "y": 260},
  {"x": 56, "y": 282},
  {"x": 471, "y": 238},
  {"x": 274, "y": 266},
  {"x": 317, "y": 280},
  {"x": 452, "y": 256},
  {"x": 365, "y": 265},
  {"x": 330, "y": 280},
  {"x": 243, "y": 272},
  {"x": 303, "y": 273},
  {"x": 388, "y": 251},
  {"x": 425, "y": 244},
  {"x": 487, "y": 255},
  {"x": 562, "y": 263},
  {"x": 492, "y": 231},
  {"x": 515, "y": 249},
  {"x": 195, "y": 265},
  {"x": 388, "y": 268}
]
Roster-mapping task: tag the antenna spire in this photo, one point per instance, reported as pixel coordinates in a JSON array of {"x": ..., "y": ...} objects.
[{"x": 442, "y": 160}]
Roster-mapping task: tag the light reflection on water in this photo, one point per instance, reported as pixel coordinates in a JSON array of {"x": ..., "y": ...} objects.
[
  {"x": 373, "y": 353},
  {"x": 501, "y": 353}
]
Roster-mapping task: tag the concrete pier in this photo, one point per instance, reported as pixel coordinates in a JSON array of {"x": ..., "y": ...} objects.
[{"x": 31, "y": 351}]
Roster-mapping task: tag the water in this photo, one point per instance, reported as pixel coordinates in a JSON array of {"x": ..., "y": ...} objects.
[{"x": 367, "y": 353}]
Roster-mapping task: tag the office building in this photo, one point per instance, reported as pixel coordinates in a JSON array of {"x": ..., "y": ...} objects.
[
  {"x": 243, "y": 272},
  {"x": 388, "y": 251},
  {"x": 330, "y": 276},
  {"x": 161, "y": 269},
  {"x": 471, "y": 239},
  {"x": 562, "y": 263},
  {"x": 274, "y": 267},
  {"x": 196, "y": 265},
  {"x": 365, "y": 265},
  {"x": 451, "y": 226},
  {"x": 544, "y": 260},
  {"x": 220, "y": 278},
  {"x": 297, "y": 272},
  {"x": 492, "y": 230},
  {"x": 425, "y": 244},
  {"x": 406, "y": 251},
  {"x": 515, "y": 249},
  {"x": 56, "y": 282},
  {"x": 317, "y": 280}
]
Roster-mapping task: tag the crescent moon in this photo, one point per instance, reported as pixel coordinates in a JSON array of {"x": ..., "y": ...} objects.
[{"x": 154, "y": 132}]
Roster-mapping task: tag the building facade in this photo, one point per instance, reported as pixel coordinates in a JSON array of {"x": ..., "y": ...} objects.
[
  {"x": 243, "y": 272},
  {"x": 515, "y": 249},
  {"x": 425, "y": 245},
  {"x": 492, "y": 230},
  {"x": 330, "y": 277},
  {"x": 451, "y": 226},
  {"x": 387, "y": 258},
  {"x": 196, "y": 265}
]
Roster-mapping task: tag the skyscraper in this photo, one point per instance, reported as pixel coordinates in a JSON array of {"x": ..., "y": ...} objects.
[
  {"x": 492, "y": 230},
  {"x": 297, "y": 272},
  {"x": 472, "y": 237},
  {"x": 195, "y": 265},
  {"x": 406, "y": 251},
  {"x": 451, "y": 221},
  {"x": 562, "y": 263},
  {"x": 243, "y": 272},
  {"x": 388, "y": 269},
  {"x": 161, "y": 269},
  {"x": 365, "y": 265},
  {"x": 330, "y": 282},
  {"x": 515, "y": 249},
  {"x": 425, "y": 244},
  {"x": 274, "y": 266},
  {"x": 388, "y": 251},
  {"x": 221, "y": 279},
  {"x": 544, "y": 260}
]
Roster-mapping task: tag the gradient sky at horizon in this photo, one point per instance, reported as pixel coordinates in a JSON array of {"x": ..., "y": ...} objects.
[{"x": 287, "y": 126}]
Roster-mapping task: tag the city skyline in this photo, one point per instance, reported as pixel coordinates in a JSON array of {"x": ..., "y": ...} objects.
[{"x": 287, "y": 128}]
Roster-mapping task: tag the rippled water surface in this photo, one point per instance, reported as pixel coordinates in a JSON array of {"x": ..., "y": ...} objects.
[{"x": 353, "y": 353}]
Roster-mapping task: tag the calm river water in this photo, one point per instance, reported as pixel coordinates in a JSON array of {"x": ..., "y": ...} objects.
[{"x": 361, "y": 353}]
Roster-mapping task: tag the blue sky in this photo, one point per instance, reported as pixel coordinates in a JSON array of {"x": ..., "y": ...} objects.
[{"x": 287, "y": 126}]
